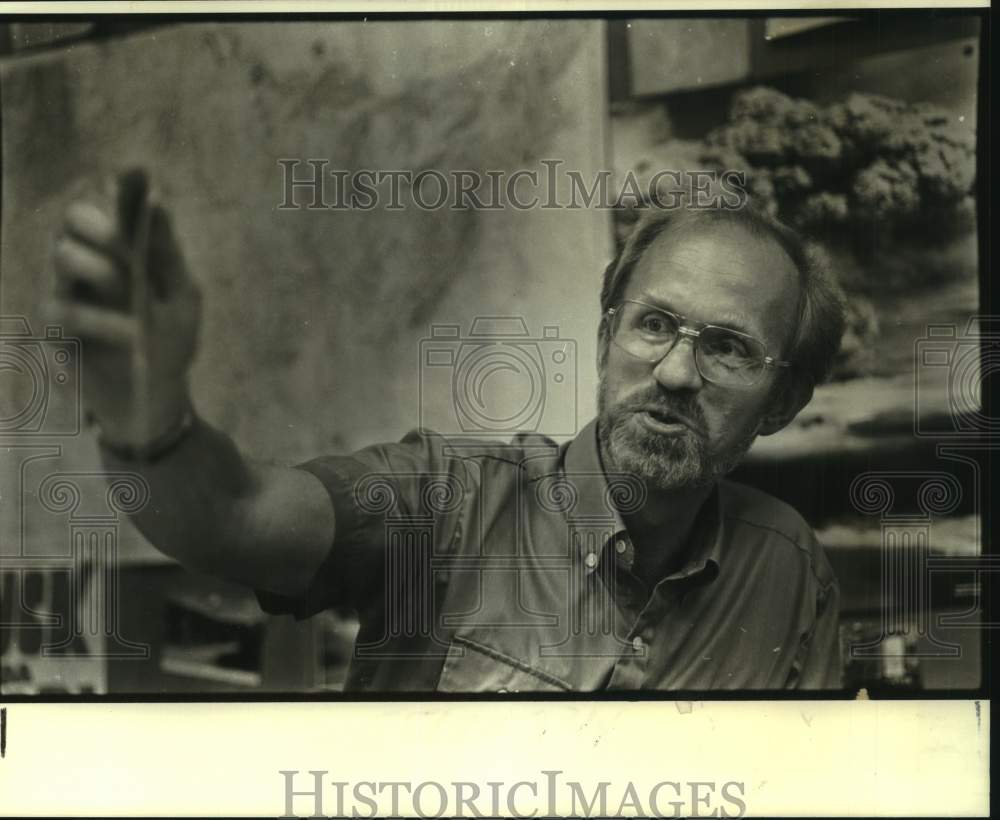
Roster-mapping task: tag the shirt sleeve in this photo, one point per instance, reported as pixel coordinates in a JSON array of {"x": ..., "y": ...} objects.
[
  {"x": 369, "y": 489},
  {"x": 818, "y": 664}
]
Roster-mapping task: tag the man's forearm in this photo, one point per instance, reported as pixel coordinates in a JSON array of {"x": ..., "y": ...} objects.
[
  {"x": 196, "y": 490},
  {"x": 265, "y": 526}
]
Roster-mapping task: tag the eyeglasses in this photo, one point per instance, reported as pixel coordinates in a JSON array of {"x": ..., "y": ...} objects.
[{"x": 724, "y": 357}]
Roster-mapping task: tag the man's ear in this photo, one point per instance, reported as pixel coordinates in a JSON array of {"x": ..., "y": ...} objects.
[
  {"x": 602, "y": 347},
  {"x": 789, "y": 399}
]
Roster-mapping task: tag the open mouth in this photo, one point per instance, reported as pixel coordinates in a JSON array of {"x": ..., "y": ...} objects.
[{"x": 663, "y": 422}]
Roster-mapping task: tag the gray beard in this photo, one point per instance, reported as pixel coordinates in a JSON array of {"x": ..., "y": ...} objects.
[{"x": 662, "y": 462}]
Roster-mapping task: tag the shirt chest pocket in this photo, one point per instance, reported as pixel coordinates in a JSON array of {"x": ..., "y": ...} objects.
[{"x": 474, "y": 667}]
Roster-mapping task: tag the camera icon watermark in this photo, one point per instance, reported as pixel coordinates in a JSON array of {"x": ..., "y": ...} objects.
[
  {"x": 498, "y": 379},
  {"x": 39, "y": 380},
  {"x": 951, "y": 370}
]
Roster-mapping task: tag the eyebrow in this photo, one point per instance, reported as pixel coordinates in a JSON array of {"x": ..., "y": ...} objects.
[{"x": 730, "y": 321}]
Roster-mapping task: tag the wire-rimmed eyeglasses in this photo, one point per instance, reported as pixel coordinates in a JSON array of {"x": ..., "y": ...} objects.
[{"x": 723, "y": 356}]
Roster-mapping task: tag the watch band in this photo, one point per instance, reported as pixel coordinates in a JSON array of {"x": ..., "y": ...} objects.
[{"x": 155, "y": 449}]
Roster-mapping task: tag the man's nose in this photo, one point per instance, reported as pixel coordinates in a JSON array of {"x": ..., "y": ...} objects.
[{"x": 677, "y": 370}]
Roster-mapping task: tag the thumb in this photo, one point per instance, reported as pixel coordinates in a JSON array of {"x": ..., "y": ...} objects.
[
  {"x": 130, "y": 199},
  {"x": 167, "y": 271},
  {"x": 164, "y": 263}
]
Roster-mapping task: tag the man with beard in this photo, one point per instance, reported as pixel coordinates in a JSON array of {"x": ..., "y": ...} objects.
[{"x": 623, "y": 560}]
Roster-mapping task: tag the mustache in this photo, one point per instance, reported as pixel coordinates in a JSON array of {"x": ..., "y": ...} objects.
[{"x": 683, "y": 408}]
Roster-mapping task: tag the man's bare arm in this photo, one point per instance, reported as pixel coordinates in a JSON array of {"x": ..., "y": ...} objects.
[
  {"x": 210, "y": 508},
  {"x": 218, "y": 512}
]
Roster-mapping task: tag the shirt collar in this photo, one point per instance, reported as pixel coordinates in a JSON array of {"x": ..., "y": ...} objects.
[
  {"x": 583, "y": 469},
  {"x": 598, "y": 491}
]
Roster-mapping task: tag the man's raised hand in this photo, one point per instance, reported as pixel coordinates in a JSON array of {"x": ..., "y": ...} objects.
[{"x": 122, "y": 287}]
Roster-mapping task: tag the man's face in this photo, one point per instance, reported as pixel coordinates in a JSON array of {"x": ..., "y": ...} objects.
[{"x": 719, "y": 274}]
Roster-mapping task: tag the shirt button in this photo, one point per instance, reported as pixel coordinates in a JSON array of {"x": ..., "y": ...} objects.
[
  {"x": 591, "y": 560},
  {"x": 620, "y": 547},
  {"x": 638, "y": 644}
]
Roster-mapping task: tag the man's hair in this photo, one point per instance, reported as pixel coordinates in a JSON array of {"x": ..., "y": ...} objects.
[{"x": 820, "y": 315}]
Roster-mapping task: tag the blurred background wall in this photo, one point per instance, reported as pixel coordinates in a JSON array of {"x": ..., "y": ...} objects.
[{"x": 313, "y": 318}]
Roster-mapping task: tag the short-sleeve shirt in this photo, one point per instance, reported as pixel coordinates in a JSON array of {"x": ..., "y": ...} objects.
[{"x": 492, "y": 567}]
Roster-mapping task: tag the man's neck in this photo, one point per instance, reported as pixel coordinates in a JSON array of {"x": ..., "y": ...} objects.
[{"x": 661, "y": 530}]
